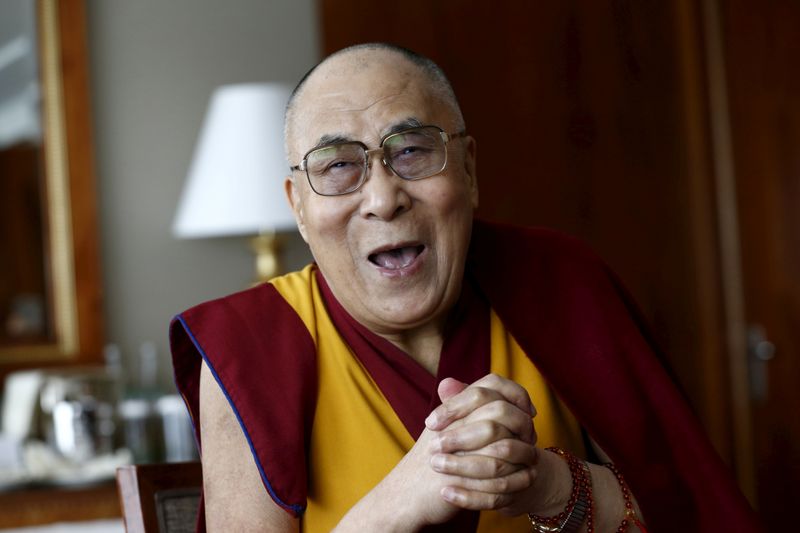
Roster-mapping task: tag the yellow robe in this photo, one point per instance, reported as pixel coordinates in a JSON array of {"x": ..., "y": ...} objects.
[{"x": 357, "y": 438}]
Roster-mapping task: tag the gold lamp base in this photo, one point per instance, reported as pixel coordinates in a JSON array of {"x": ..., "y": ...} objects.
[{"x": 266, "y": 247}]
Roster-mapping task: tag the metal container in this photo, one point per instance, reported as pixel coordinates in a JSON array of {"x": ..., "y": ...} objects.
[
  {"x": 179, "y": 441},
  {"x": 78, "y": 412}
]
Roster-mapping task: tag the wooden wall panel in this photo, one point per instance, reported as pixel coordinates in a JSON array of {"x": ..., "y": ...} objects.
[
  {"x": 589, "y": 117},
  {"x": 762, "y": 48}
]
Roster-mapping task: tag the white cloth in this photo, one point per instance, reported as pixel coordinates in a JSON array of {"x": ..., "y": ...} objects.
[{"x": 93, "y": 526}]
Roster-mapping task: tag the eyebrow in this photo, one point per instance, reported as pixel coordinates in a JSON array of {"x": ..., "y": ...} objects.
[
  {"x": 410, "y": 122},
  {"x": 329, "y": 139},
  {"x": 336, "y": 138}
]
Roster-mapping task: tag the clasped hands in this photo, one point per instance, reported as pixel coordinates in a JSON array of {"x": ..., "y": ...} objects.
[{"x": 478, "y": 451}]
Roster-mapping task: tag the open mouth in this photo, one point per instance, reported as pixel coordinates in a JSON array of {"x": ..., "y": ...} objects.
[{"x": 396, "y": 258}]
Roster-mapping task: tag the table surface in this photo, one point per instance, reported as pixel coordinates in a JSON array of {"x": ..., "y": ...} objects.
[
  {"x": 114, "y": 525},
  {"x": 42, "y": 506}
]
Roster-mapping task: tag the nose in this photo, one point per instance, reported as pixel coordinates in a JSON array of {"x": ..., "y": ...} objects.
[{"x": 383, "y": 195}]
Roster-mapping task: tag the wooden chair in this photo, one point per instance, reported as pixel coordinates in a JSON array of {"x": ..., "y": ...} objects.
[{"x": 160, "y": 498}]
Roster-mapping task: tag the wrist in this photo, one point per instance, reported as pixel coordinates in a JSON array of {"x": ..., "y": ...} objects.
[
  {"x": 553, "y": 485},
  {"x": 579, "y": 508},
  {"x": 379, "y": 510}
]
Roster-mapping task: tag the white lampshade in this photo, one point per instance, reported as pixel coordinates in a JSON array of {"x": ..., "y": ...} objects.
[{"x": 235, "y": 182}]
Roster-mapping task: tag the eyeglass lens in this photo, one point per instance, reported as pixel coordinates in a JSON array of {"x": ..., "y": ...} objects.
[{"x": 412, "y": 154}]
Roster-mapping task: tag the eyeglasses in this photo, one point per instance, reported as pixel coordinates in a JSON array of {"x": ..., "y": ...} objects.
[{"x": 412, "y": 154}]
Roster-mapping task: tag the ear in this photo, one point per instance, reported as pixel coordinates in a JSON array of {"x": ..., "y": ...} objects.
[
  {"x": 470, "y": 154},
  {"x": 296, "y": 203}
]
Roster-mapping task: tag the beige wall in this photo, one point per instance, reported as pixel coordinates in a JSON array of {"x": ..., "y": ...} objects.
[{"x": 153, "y": 67}]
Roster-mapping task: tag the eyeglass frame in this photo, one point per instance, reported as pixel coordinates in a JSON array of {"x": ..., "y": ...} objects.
[{"x": 445, "y": 136}]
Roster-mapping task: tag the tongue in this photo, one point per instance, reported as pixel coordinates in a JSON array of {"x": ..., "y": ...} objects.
[{"x": 397, "y": 258}]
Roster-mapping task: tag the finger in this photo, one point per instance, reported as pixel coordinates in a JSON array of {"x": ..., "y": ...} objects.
[
  {"x": 499, "y": 493},
  {"x": 518, "y": 423},
  {"x": 475, "y": 501},
  {"x": 495, "y": 460},
  {"x": 488, "y": 388},
  {"x": 514, "y": 482},
  {"x": 473, "y": 466},
  {"x": 511, "y": 391},
  {"x": 449, "y": 387},
  {"x": 460, "y": 405},
  {"x": 470, "y": 437},
  {"x": 513, "y": 451},
  {"x": 500, "y": 411}
]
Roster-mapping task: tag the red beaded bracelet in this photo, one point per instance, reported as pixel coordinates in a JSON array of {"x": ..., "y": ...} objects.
[
  {"x": 630, "y": 513},
  {"x": 580, "y": 505}
]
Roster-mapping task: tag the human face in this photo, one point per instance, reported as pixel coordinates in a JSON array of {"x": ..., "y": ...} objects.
[{"x": 393, "y": 251}]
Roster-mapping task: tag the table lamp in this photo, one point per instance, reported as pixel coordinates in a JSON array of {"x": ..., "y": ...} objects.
[{"x": 235, "y": 182}]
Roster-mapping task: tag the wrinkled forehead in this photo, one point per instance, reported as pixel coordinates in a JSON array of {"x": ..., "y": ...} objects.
[{"x": 362, "y": 96}]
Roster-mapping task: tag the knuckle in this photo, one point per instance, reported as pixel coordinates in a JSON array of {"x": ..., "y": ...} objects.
[
  {"x": 503, "y": 448},
  {"x": 442, "y": 412},
  {"x": 494, "y": 379},
  {"x": 524, "y": 396},
  {"x": 446, "y": 463},
  {"x": 496, "y": 467},
  {"x": 448, "y": 441},
  {"x": 534, "y": 435},
  {"x": 499, "y": 408},
  {"x": 526, "y": 429},
  {"x": 523, "y": 392},
  {"x": 491, "y": 428},
  {"x": 479, "y": 395}
]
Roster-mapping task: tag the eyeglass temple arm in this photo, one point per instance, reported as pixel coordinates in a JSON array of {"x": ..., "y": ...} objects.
[{"x": 456, "y": 135}]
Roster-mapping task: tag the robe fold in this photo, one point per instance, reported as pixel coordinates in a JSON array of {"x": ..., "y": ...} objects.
[{"x": 571, "y": 319}]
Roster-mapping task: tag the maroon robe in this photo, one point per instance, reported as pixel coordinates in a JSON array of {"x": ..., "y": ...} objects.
[{"x": 567, "y": 311}]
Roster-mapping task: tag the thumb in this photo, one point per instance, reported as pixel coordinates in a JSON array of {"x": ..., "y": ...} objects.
[{"x": 449, "y": 387}]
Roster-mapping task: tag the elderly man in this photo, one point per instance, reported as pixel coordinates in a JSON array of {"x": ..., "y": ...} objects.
[{"x": 317, "y": 396}]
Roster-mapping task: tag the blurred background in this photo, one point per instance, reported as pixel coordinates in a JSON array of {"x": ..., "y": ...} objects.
[{"x": 665, "y": 134}]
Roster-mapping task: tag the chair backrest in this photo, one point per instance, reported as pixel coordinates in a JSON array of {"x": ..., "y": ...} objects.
[{"x": 160, "y": 498}]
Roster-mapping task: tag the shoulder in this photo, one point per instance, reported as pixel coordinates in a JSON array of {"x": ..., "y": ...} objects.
[{"x": 243, "y": 336}]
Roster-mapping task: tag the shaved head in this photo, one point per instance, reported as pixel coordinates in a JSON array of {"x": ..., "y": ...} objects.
[
  {"x": 393, "y": 250},
  {"x": 358, "y": 58}
]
